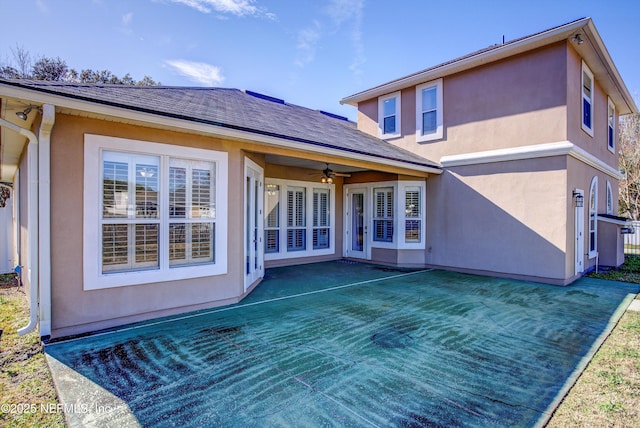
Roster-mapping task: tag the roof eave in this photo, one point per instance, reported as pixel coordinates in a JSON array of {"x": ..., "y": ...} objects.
[
  {"x": 618, "y": 89},
  {"x": 535, "y": 41},
  {"x": 204, "y": 128}
]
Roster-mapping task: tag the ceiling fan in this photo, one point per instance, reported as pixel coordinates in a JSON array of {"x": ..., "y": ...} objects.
[{"x": 328, "y": 175}]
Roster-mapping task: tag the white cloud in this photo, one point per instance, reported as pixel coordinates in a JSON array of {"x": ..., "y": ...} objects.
[
  {"x": 342, "y": 13},
  {"x": 206, "y": 74},
  {"x": 307, "y": 40},
  {"x": 127, "y": 18},
  {"x": 233, "y": 7},
  {"x": 42, "y": 6}
]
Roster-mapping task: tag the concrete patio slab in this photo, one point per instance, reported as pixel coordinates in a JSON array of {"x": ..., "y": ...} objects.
[{"x": 334, "y": 344}]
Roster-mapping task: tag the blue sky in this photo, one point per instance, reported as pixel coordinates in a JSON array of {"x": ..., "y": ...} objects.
[{"x": 311, "y": 53}]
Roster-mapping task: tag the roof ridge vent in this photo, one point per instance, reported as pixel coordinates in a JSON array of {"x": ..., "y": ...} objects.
[
  {"x": 264, "y": 97},
  {"x": 335, "y": 116}
]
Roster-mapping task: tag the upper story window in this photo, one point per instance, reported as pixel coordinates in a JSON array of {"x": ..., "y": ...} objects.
[
  {"x": 587, "y": 99},
  {"x": 429, "y": 111},
  {"x": 155, "y": 212},
  {"x": 611, "y": 131},
  {"x": 609, "y": 198},
  {"x": 389, "y": 115}
]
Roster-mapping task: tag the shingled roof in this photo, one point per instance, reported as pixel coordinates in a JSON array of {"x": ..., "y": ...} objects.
[{"x": 234, "y": 109}]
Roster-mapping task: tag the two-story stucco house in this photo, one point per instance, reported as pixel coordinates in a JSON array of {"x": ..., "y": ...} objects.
[
  {"x": 130, "y": 203},
  {"x": 526, "y": 135}
]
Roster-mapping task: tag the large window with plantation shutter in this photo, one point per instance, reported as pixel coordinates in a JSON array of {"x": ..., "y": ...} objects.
[
  {"x": 299, "y": 219},
  {"x": 159, "y": 212}
]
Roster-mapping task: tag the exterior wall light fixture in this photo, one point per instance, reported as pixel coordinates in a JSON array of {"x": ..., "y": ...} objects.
[
  {"x": 579, "y": 199},
  {"x": 25, "y": 113}
]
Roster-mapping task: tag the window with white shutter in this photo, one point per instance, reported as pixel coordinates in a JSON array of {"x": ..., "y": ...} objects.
[
  {"x": 296, "y": 221},
  {"x": 192, "y": 211},
  {"x": 321, "y": 216},
  {"x": 157, "y": 213},
  {"x": 130, "y": 217},
  {"x": 272, "y": 220},
  {"x": 299, "y": 219},
  {"x": 413, "y": 215},
  {"x": 383, "y": 214}
]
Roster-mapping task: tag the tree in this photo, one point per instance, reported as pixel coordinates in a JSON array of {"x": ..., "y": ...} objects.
[
  {"x": 56, "y": 69},
  {"x": 52, "y": 69},
  {"x": 629, "y": 193}
]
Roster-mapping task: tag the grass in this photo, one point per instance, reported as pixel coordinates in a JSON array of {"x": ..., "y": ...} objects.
[
  {"x": 27, "y": 394},
  {"x": 606, "y": 394},
  {"x": 628, "y": 272},
  {"x": 608, "y": 391}
]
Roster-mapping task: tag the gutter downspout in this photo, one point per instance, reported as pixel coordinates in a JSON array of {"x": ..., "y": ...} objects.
[
  {"x": 32, "y": 221},
  {"x": 44, "y": 210}
]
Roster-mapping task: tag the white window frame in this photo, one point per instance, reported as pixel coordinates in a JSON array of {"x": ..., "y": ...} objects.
[
  {"x": 593, "y": 218},
  {"x": 403, "y": 187},
  {"x": 398, "y": 114},
  {"x": 438, "y": 133},
  {"x": 609, "y": 199},
  {"x": 321, "y": 220},
  {"x": 94, "y": 279},
  {"x": 385, "y": 217},
  {"x": 583, "y": 97},
  {"x": 399, "y": 218},
  {"x": 309, "y": 187},
  {"x": 277, "y": 228},
  {"x": 611, "y": 126}
]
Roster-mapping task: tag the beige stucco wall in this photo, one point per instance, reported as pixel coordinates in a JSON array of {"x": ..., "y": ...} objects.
[
  {"x": 504, "y": 218},
  {"x": 518, "y": 101},
  {"x": 76, "y": 310},
  {"x": 580, "y": 176}
]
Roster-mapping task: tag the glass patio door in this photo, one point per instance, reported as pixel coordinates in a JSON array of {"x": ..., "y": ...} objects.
[
  {"x": 356, "y": 221},
  {"x": 253, "y": 223}
]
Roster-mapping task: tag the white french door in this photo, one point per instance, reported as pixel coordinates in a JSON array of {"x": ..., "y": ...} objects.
[
  {"x": 356, "y": 220},
  {"x": 253, "y": 222}
]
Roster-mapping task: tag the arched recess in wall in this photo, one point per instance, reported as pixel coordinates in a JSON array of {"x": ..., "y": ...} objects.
[{"x": 593, "y": 220}]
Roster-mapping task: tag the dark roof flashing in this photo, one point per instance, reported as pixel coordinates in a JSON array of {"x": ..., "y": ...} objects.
[{"x": 265, "y": 97}]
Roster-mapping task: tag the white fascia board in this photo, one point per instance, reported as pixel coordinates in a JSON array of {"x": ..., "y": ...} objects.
[
  {"x": 481, "y": 58},
  {"x": 202, "y": 128},
  {"x": 612, "y": 70},
  {"x": 561, "y": 148}
]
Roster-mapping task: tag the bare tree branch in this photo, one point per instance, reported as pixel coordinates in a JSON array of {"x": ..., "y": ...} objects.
[{"x": 629, "y": 140}]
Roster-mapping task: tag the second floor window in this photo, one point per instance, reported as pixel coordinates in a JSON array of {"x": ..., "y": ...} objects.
[
  {"x": 587, "y": 100},
  {"x": 429, "y": 111},
  {"x": 611, "y": 131},
  {"x": 389, "y": 115}
]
